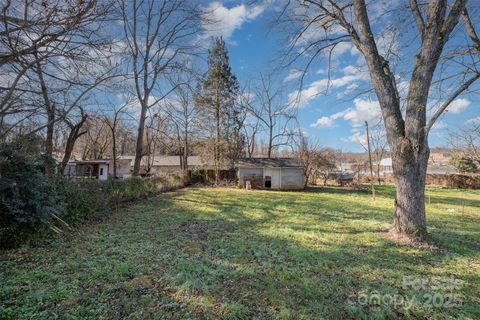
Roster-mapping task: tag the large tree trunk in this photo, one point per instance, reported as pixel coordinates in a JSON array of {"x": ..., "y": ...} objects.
[
  {"x": 114, "y": 152},
  {"x": 270, "y": 138},
  {"x": 139, "y": 146},
  {"x": 71, "y": 140},
  {"x": 217, "y": 144},
  {"x": 409, "y": 170},
  {"x": 186, "y": 176},
  {"x": 50, "y": 129},
  {"x": 50, "y": 108}
]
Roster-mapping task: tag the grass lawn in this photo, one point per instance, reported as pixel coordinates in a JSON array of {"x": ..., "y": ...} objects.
[{"x": 232, "y": 254}]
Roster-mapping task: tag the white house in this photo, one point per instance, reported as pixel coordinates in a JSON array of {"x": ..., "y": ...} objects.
[
  {"x": 100, "y": 169},
  {"x": 386, "y": 166}
]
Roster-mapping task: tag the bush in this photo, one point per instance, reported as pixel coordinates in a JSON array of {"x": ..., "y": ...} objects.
[
  {"x": 83, "y": 199},
  {"x": 464, "y": 165},
  {"x": 27, "y": 198},
  {"x": 30, "y": 204}
]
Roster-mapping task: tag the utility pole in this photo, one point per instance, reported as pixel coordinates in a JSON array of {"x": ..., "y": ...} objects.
[{"x": 370, "y": 160}]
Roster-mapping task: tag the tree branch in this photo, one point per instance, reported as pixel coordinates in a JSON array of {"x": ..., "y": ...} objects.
[
  {"x": 450, "y": 99},
  {"x": 471, "y": 30},
  {"x": 418, "y": 17}
]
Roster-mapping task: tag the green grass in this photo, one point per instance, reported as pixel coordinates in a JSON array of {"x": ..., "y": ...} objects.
[{"x": 232, "y": 254}]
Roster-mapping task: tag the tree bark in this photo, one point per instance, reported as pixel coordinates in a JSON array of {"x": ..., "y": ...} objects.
[
  {"x": 72, "y": 138},
  {"x": 409, "y": 173},
  {"x": 186, "y": 176},
  {"x": 408, "y": 139},
  {"x": 217, "y": 140},
  {"x": 50, "y": 109},
  {"x": 114, "y": 152},
  {"x": 270, "y": 138},
  {"x": 50, "y": 129},
  {"x": 139, "y": 145}
]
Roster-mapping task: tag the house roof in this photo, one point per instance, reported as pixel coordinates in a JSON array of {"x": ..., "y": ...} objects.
[
  {"x": 268, "y": 162},
  {"x": 96, "y": 161},
  {"x": 170, "y": 161}
]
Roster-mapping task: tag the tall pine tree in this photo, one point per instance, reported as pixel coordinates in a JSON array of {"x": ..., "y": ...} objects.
[{"x": 220, "y": 114}]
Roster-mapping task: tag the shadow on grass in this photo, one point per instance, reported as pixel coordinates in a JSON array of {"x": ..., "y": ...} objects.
[
  {"x": 290, "y": 277},
  {"x": 206, "y": 255}
]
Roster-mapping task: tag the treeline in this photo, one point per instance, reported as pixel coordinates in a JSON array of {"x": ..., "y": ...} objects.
[{"x": 97, "y": 79}]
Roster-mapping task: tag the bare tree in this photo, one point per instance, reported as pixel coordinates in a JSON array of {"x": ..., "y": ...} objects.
[
  {"x": 182, "y": 112},
  {"x": 308, "y": 153},
  {"x": 95, "y": 143},
  {"x": 157, "y": 34},
  {"x": 155, "y": 132},
  {"x": 112, "y": 118},
  {"x": 42, "y": 43},
  {"x": 251, "y": 128},
  {"x": 326, "y": 164},
  {"x": 466, "y": 141},
  {"x": 276, "y": 116},
  {"x": 334, "y": 22},
  {"x": 378, "y": 144},
  {"x": 73, "y": 135},
  {"x": 378, "y": 139}
]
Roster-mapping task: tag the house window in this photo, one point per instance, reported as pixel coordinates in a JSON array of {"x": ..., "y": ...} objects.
[{"x": 101, "y": 171}]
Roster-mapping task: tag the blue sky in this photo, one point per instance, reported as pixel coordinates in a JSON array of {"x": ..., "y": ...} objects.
[{"x": 334, "y": 118}]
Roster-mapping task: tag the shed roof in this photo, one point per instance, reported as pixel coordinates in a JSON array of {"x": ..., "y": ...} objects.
[{"x": 268, "y": 162}]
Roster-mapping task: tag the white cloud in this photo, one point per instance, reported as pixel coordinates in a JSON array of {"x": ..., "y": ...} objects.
[
  {"x": 321, "y": 71},
  {"x": 293, "y": 75},
  {"x": 351, "y": 70},
  {"x": 439, "y": 125},
  {"x": 222, "y": 21},
  {"x": 326, "y": 122},
  {"x": 316, "y": 88},
  {"x": 364, "y": 110},
  {"x": 474, "y": 121},
  {"x": 457, "y": 106},
  {"x": 357, "y": 137},
  {"x": 340, "y": 49}
]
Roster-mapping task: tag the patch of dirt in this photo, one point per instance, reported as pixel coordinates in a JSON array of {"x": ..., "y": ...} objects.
[{"x": 390, "y": 234}]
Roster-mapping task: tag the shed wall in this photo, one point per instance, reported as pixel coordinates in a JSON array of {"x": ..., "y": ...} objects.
[
  {"x": 248, "y": 173},
  {"x": 293, "y": 178}
]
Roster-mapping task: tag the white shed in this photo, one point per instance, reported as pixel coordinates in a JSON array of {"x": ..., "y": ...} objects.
[{"x": 271, "y": 173}]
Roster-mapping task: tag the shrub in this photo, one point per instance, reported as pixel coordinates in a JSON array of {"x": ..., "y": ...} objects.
[
  {"x": 83, "y": 199},
  {"x": 27, "y": 198},
  {"x": 464, "y": 164},
  {"x": 30, "y": 203}
]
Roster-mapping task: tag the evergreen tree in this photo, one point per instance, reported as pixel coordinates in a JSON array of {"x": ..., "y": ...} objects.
[
  {"x": 464, "y": 164},
  {"x": 219, "y": 112}
]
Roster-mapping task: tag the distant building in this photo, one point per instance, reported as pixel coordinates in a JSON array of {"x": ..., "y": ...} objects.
[
  {"x": 100, "y": 169},
  {"x": 168, "y": 164},
  {"x": 439, "y": 158},
  {"x": 386, "y": 166},
  {"x": 271, "y": 173},
  {"x": 441, "y": 169}
]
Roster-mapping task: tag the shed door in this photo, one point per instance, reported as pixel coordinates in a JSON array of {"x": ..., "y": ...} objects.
[
  {"x": 276, "y": 177},
  {"x": 103, "y": 172}
]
